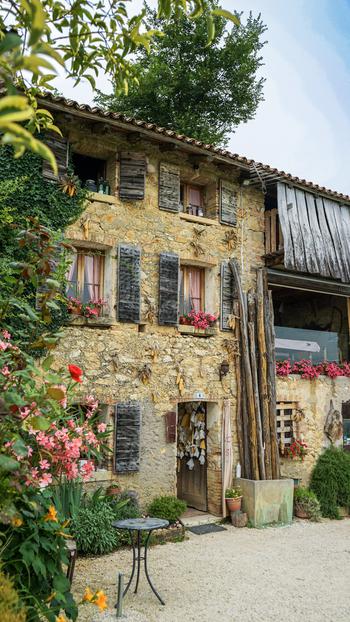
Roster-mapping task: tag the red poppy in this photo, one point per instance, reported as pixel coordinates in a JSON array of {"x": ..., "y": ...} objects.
[{"x": 75, "y": 372}]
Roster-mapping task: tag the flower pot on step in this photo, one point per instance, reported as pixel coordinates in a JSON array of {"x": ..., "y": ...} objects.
[
  {"x": 300, "y": 512},
  {"x": 234, "y": 504}
]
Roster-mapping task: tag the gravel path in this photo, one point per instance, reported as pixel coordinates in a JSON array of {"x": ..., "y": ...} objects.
[{"x": 301, "y": 572}]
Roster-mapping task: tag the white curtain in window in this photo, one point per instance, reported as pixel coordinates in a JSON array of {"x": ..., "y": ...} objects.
[
  {"x": 195, "y": 289},
  {"x": 71, "y": 276},
  {"x": 92, "y": 276}
]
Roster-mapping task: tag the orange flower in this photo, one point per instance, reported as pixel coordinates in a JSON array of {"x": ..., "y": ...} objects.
[
  {"x": 61, "y": 618},
  {"x": 88, "y": 596},
  {"x": 51, "y": 515},
  {"x": 101, "y": 600},
  {"x": 16, "y": 521}
]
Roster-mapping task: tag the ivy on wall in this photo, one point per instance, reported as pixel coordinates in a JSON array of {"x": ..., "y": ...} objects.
[{"x": 25, "y": 194}]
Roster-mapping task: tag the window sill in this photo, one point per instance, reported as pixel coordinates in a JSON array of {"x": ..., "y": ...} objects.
[
  {"x": 196, "y": 332},
  {"x": 198, "y": 219},
  {"x": 100, "y": 322},
  {"x": 101, "y": 198}
]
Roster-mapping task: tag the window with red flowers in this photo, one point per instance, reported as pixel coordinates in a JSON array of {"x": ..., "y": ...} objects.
[{"x": 287, "y": 425}]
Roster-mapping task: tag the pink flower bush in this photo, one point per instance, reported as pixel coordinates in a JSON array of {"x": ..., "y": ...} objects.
[
  {"x": 198, "y": 319},
  {"x": 307, "y": 370}
]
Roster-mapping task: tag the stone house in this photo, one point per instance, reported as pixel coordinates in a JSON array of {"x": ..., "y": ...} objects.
[{"x": 164, "y": 216}]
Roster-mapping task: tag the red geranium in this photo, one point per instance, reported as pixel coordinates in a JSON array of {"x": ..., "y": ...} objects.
[{"x": 75, "y": 372}]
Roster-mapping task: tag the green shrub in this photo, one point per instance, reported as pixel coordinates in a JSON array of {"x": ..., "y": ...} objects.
[
  {"x": 330, "y": 481},
  {"x": 93, "y": 531},
  {"x": 124, "y": 505},
  {"x": 10, "y": 607},
  {"x": 306, "y": 500},
  {"x": 169, "y": 508},
  {"x": 67, "y": 497}
]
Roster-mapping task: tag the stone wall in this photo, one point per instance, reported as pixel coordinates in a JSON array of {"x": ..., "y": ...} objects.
[
  {"x": 313, "y": 397},
  {"x": 113, "y": 356}
]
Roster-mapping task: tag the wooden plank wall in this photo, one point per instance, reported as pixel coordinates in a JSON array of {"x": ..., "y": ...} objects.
[{"x": 316, "y": 233}]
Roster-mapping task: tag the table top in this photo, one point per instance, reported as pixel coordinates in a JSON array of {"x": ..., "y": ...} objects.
[{"x": 141, "y": 524}]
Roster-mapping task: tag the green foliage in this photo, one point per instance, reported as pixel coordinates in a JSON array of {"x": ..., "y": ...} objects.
[
  {"x": 93, "y": 531},
  {"x": 124, "y": 506},
  {"x": 34, "y": 554},
  {"x": 199, "y": 90},
  {"x": 330, "y": 481},
  {"x": 10, "y": 606},
  {"x": 167, "y": 507},
  {"x": 85, "y": 38},
  {"x": 306, "y": 500},
  {"x": 233, "y": 493},
  {"x": 67, "y": 498},
  {"x": 25, "y": 194}
]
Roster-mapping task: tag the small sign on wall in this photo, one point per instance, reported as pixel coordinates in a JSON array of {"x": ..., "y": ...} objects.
[
  {"x": 170, "y": 426},
  {"x": 199, "y": 395}
]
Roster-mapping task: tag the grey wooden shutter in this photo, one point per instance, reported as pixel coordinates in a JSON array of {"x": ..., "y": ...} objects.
[
  {"x": 169, "y": 187},
  {"x": 129, "y": 283},
  {"x": 59, "y": 146},
  {"x": 228, "y": 204},
  {"x": 127, "y": 437},
  {"x": 228, "y": 294},
  {"x": 168, "y": 289},
  {"x": 132, "y": 177}
]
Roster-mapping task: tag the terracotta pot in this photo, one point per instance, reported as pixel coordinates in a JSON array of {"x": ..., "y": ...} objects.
[
  {"x": 300, "y": 512},
  {"x": 113, "y": 490},
  {"x": 75, "y": 310},
  {"x": 234, "y": 504}
]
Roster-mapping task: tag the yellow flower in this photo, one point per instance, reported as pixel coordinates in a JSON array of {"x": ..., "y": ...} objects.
[
  {"x": 61, "y": 618},
  {"x": 51, "y": 597},
  {"x": 51, "y": 515},
  {"x": 101, "y": 600},
  {"x": 16, "y": 521},
  {"x": 88, "y": 596}
]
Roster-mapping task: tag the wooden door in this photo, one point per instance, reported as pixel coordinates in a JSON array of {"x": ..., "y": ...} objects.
[{"x": 192, "y": 483}]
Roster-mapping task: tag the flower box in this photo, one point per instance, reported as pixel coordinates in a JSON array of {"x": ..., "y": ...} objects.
[{"x": 198, "y": 332}]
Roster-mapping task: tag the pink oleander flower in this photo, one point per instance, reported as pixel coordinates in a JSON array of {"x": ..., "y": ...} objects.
[
  {"x": 44, "y": 465},
  {"x": 101, "y": 427},
  {"x": 5, "y": 371},
  {"x": 24, "y": 412},
  {"x": 4, "y": 346},
  {"x": 45, "y": 480},
  {"x": 6, "y": 334},
  {"x": 87, "y": 469}
]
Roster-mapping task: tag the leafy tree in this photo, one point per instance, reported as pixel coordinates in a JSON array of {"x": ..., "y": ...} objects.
[
  {"x": 198, "y": 89},
  {"x": 84, "y": 37}
]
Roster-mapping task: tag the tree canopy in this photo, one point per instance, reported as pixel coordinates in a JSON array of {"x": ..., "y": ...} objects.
[
  {"x": 84, "y": 38},
  {"x": 200, "y": 90}
]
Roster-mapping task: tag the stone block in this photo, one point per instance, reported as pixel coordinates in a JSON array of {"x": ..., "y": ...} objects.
[
  {"x": 239, "y": 518},
  {"x": 267, "y": 502}
]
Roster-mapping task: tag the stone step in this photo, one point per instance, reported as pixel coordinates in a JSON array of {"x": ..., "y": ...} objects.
[{"x": 200, "y": 518}]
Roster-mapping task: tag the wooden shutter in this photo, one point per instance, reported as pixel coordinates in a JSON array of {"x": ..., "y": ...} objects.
[
  {"x": 129, "y": 283},
  {"x": 127, "y": 437},
  {"x": 59, "y": 146},
  {"x": 132, "y": 177},
  {"x": 168, "y": 289},
  {"x": 228, "y": 294},
  {"x": 228, "y": 204},
  {"x": 169, "y": 187}
]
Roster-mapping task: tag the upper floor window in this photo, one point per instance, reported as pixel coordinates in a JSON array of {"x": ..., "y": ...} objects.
[
  {"x": 192, "y": 199},
  {"x": 85, "y": 275},
  {"x": 92, "y": 172},
  {"x": 192, "y": 285}
]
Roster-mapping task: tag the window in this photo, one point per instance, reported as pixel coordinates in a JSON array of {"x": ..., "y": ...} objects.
[
  {"x": 309, "y": 325},
  {"x": 287, "y": 425},
  {"x": 192, "y": 199},
  {"x": 92, "y": 172},
  {"x": 346, "y": 425},
  {"x": 85, "y": 275},
  {"x": 192, "y": 284}
]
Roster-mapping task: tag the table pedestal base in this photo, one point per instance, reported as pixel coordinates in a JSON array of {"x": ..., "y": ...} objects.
[{"x": 136, "y": 563}]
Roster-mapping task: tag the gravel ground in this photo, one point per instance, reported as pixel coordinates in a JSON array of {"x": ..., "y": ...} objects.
[{"x": 301, "y": 572}]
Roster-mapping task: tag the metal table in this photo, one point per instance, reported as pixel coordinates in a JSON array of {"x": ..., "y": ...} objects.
[{"x": 138, "y": 525}]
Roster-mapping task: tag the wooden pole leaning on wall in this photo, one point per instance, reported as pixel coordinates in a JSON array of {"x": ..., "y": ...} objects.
[
  {"x": 239, "y": 413},
  {"x": 271, "y": 379},
  {"x": 263, "y": 374},
  {"x": 253, "y": 363},
  {"x": 246, "y": 367}
]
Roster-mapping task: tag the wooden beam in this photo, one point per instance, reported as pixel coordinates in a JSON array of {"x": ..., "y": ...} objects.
[
  {"x": 264, "y": 399},
  {"x": 283, "y": 278}
]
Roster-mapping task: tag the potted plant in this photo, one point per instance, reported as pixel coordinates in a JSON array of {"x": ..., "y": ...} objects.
[
  {"x": 93, "y": 308},
  {"x": 113, "y": 489},
  {"x": 233, "y": 497},
  {"x": 74, "y": 305},
  {"x": 306, "y": 504}
]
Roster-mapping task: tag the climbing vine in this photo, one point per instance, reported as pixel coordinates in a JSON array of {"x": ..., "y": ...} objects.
[{"x": 24, "y": 195}]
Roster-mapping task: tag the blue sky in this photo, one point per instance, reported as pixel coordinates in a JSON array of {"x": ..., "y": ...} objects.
[{"x": 303, "y": 126}]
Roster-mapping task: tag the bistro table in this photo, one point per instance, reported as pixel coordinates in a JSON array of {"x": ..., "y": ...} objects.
[{"x": 138, "y": 525}]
